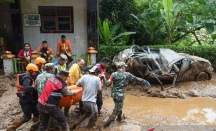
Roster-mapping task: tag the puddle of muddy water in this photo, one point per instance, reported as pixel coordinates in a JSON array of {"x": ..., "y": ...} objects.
[{"x": 201, "y": 110}]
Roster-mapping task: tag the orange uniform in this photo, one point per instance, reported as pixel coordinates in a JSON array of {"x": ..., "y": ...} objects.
[
  {"x": 62, "y": 47},
  {"x": 49, "y": 50}
]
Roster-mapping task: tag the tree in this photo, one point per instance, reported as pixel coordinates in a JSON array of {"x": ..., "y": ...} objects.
[
  {"x": 174, "y": 22},
  {"x": 170, "y": 14},
  {"x": 150, "y": 19},
  {"x": 109, "y": 36}
]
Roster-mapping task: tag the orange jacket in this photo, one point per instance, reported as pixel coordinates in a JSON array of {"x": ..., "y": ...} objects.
[
  {"x": 61, "y": 47},
  {"x": 50, "y": 51}
]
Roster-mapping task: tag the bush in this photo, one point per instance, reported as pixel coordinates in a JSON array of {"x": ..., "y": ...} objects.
[{"x": 206, "y": 52}]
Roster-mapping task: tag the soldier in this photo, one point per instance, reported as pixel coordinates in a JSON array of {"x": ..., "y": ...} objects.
[
  {"x": 120, "y": 81},
  {"x": 42, "y": 78},
  {"x": 40, "y": 84},
  {"x": 49, "y": 100}
]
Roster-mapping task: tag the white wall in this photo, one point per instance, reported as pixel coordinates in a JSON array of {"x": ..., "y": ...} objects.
[{"x": 78, "y": 39}]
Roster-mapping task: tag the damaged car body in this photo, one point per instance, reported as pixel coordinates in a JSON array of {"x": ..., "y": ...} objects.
[{"x": 164, "y": 65}]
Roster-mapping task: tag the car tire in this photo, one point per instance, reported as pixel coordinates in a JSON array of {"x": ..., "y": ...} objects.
[{"x": 202, "y": 76}]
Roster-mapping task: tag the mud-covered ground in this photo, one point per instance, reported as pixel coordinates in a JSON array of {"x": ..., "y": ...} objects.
[{"x": 10, "y": 109}]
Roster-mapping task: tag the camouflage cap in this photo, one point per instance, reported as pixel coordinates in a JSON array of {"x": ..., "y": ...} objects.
[
  {"x": 48, "y": 66},
  {"x": 121, "y": 64}
]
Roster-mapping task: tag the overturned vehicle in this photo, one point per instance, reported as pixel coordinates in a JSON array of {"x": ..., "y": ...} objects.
[{"x": 164, "y": 65}]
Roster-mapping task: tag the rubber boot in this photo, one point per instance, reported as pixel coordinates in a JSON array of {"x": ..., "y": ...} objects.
[
  {"x": 79, "y": 121},
  {"x": 15, "y": 125},
  {"x": 111, "y": 118},
  {"x": 120, "y": 117}
]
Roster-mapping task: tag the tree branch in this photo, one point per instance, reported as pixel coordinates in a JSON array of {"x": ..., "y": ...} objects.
[{"x": 178, "y": 37}]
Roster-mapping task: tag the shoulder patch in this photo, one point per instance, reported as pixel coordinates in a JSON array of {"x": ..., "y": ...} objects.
[{"x": 54, "y": 81}]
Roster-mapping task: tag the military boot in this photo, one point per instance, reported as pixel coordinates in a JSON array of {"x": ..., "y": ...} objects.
[
  {"x": 15, "y": 125},
  {"x": 111, "y": 118},
  {"x": 120, "y": 117}
]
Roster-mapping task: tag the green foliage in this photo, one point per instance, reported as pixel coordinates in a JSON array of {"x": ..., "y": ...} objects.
[
  {"x": 109, "y": 37},
  {"x": 176, "y": 20},
  {"x": 170, "y": 14},
  {"x": 207, "y": 52},
  {"x": 150, "y": 19}
]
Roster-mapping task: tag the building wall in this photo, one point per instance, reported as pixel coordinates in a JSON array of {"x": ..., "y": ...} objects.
[
  {"x": 6, "y": 30},
  {"x": 78, "y": 39}
]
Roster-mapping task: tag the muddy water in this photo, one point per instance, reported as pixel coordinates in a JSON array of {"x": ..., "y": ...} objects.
[{"x": 200, "y": 110}]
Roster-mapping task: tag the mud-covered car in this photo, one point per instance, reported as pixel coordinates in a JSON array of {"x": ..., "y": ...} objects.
[{"x": 164, "y": 65}]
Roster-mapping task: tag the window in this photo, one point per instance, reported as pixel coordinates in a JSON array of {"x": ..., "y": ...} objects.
[{"x": 56, "y": 19}]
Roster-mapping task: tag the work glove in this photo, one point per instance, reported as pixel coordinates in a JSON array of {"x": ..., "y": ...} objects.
[{"x": 148, "y": 84}]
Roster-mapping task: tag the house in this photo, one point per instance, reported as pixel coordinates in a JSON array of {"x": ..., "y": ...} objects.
[{"x": 33, "y": 21}]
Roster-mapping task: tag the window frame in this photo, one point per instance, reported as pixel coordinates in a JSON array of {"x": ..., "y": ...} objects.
[{"x": 42, "y": 30}]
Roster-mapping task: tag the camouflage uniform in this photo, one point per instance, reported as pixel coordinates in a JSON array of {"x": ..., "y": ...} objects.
[
  {"x": 41, "y": 81},
  {"x": 120, "y": 80}
]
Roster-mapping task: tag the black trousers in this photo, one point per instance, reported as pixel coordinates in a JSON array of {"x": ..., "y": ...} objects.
[
  {"x": 99, "y": 101},
  {"x": 28, "y": 109},
  {"x": 55, "y": 112}
]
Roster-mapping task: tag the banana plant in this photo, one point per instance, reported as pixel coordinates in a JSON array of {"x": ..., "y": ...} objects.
[
  {"x": 109, "y": 36},
  {"x": 150, "y": 19},
  {"x": 170, "y": 14}
]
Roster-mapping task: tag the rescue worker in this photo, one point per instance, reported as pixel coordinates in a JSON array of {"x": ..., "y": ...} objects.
[
  {"x": 27, "y": 97},
  {"x": 60, "y": 64},
  {"x": 102, "y": 65},
  {"x": 45, "y": 51},
  {"x": 49, "y": 100},
  {"x": 91, "y": 85},
  {"x": 64, "y": 47},
  {"x": 40, "y": 64},
  {"x": 75, "y": 75},
  {"x": 43, "y": 77},
  {"x": 40, "y": 84},
  {"x": 120, "y": 81}
]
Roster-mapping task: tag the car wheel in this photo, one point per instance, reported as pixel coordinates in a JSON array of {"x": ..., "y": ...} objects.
[{"x": 202, "y": 76}]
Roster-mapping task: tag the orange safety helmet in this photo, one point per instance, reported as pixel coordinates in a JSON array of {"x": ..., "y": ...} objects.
[
  {"x": 40, "y": 60},
  {"x": 31, "y": 66}
]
